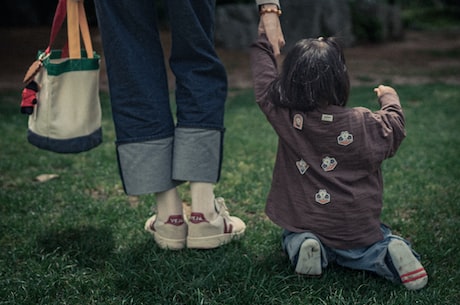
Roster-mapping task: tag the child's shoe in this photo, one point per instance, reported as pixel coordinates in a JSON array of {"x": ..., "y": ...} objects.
[
  {"x": 413, "y": 275},
  {"x": 170, "y": 234},
  {"x": 309, "y": 261},
  {"x": 209, "y": 234}
]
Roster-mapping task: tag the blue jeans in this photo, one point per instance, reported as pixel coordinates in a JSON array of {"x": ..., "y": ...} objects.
[
  {"x": 149, "y": 140},
  {"x": 374, "y": 258}
]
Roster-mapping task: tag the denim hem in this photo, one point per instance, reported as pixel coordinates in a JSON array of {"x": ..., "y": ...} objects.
[
  {"x": 146, "y": 167},
  {"x": 197, "y": 155}
]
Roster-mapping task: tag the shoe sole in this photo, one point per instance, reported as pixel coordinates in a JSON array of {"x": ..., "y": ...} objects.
[
  {"x": 413, "y": 275},
  {"x": 211, "y": 242},
  {"x": 309, "y": 261},
  {"x": 168, "y": 244}
]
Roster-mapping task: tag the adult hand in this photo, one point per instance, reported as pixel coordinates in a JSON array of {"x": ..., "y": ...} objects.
[{"x": 270, "y": 25}]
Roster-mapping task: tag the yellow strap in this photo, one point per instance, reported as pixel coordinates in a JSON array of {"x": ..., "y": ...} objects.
[
  {"x": 73, "y": 31},
  {"x": 76, "y": 22},
  {"x": 85, "y": 30}
]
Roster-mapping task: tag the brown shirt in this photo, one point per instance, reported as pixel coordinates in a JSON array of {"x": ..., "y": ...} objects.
[{"x": 327, "y": 177}]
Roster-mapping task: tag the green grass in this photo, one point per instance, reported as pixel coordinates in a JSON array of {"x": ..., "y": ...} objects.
[
  {"x": 426, "y": 17},
  {"x": 78, "y": 239}
]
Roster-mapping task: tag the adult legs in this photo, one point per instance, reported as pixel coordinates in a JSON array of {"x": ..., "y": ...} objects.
[
  {"x": 140, "y": 104},
  {"x": 139, "y": 94},
  {"x": 153, "y": 155},
  {"x": 201, "y": 90}
]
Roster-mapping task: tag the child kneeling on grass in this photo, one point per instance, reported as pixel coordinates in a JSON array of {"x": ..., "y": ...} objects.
[{"x": 327, "y": 183}]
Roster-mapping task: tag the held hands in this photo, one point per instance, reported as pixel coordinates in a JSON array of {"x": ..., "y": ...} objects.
[
  {"x": 270, "y": 25},
  {"x": 381, "y": 90}
]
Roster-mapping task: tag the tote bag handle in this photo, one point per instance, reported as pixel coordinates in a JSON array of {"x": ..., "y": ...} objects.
[{"x": 76, "y": 23}]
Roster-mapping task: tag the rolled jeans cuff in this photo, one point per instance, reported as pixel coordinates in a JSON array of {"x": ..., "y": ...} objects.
[
  {"x": 145, "y": 167},
  {"x": 197, "y": 154}
]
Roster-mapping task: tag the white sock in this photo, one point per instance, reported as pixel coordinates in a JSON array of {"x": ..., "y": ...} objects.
[
  {"x": 168, "y": 203},
  {"x": 203, "y": 199}
]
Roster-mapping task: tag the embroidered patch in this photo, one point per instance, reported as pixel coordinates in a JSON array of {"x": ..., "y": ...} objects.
[
  {"x": 297, "y": 121},
  {"x": 327, "y": 117},
  {"x": 322, "y": 197},
  {"x": 345, "y": 138},
  {"x": 302, "y": 166},
  {"x": 328, "y": 164}
]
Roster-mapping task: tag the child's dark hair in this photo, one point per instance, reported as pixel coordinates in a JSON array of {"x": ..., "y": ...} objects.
[{"x": 313, "y": 74}]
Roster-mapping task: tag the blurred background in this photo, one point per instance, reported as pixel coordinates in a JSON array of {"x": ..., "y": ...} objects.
[
  {"x": 369, "y": 20},
  {"x": 367, "y": 28}
]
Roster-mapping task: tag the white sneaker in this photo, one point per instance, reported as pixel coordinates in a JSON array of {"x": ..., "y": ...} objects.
[
  {"x": 209, "y": 234},
  {"x": 309, "y": 261},
  {"x": 170, "y": 234},
  {"x": 413, "y": 275}
]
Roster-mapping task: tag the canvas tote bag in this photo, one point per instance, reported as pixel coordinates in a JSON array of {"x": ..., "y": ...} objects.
[{"x": 62, "y": 88}]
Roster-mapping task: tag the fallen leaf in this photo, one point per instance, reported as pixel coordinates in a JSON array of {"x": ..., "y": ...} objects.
[{"x": 46, "y": 177}]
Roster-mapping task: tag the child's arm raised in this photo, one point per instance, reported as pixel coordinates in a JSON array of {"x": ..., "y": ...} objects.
[
  {"x": 391, "y": 118},
  {"x": 263, "y": 66}
]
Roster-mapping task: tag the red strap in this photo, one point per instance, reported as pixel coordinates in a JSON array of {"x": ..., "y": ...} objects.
[
  {"x": 59, "y": 17},
  {"x": 65, "y": 50}
]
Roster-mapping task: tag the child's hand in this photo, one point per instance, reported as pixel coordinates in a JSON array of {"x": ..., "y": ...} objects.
[{"x": 381, "y": 90}]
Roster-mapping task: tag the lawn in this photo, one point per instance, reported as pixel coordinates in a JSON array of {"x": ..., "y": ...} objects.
[{"x": 77, "y": 239}]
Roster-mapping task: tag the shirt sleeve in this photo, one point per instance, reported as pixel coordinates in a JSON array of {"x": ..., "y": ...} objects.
[
  {"x": 393, "y": 121},
  {"x": 261, "y": 2},
  {"x": 263, "y": 67},
  {"x": 385, "y": 127}
]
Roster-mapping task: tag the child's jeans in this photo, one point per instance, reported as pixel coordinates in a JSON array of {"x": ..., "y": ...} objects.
[{"x": 374, "y": 258}]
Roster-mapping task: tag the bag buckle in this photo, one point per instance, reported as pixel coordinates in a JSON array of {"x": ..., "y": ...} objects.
[{"x": 35, "y": 67}]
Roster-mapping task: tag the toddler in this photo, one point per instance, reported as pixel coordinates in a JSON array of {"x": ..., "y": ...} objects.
[{"x": 327, "y": 185}]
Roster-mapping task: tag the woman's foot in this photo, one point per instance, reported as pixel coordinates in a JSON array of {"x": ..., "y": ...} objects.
[
  {"x": 170, "y": 234},
  {"x": 209, "y": 234}
]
